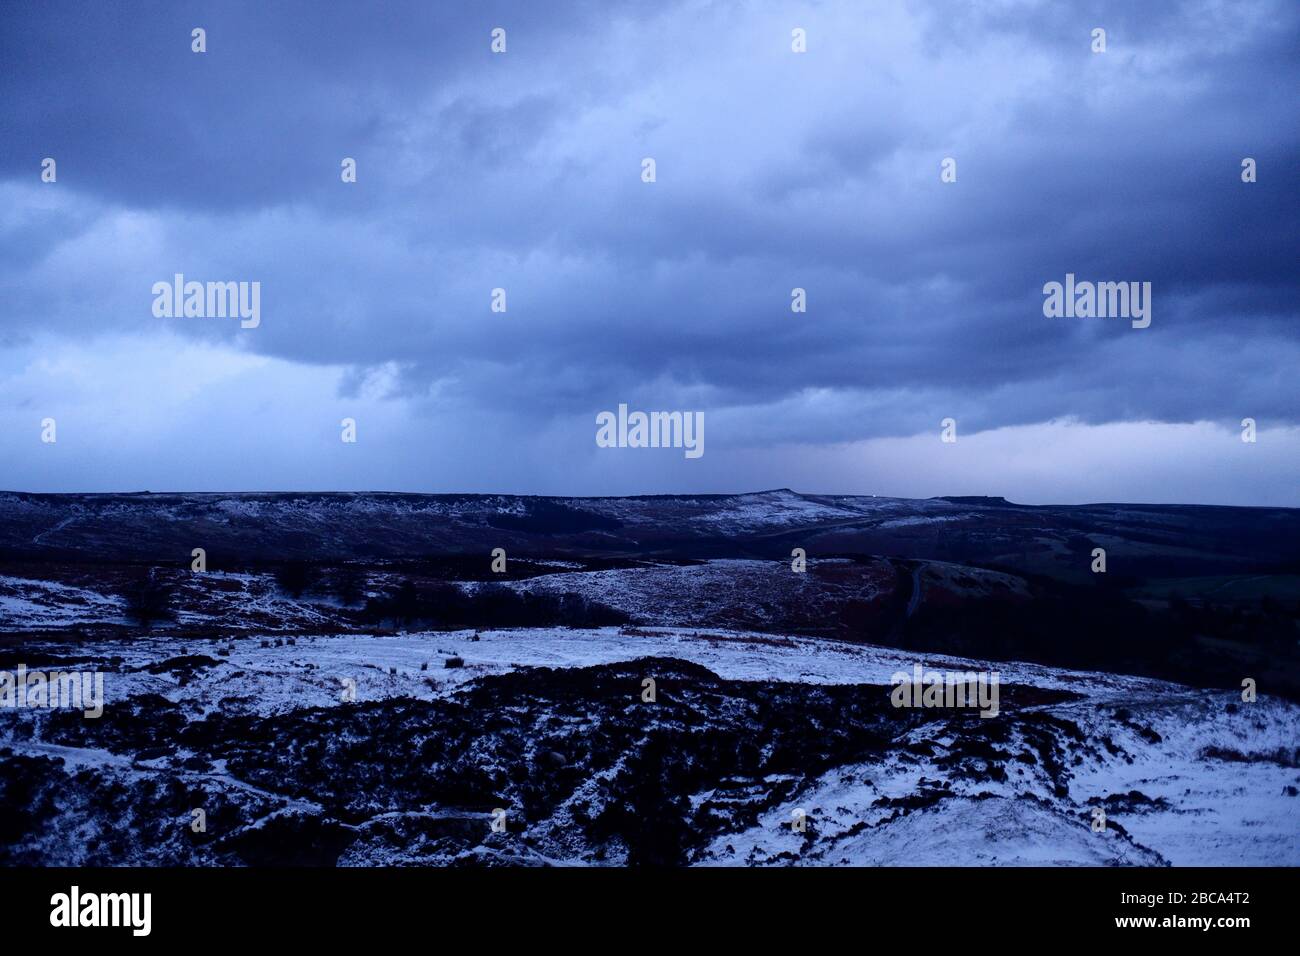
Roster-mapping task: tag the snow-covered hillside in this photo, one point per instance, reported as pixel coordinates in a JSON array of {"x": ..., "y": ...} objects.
[
  {"x": 310, "y": 690},
  {"x": 550, "y": 726}
]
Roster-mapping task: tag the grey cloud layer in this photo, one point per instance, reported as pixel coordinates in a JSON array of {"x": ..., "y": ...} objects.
[{"x": 775, "y": 171}]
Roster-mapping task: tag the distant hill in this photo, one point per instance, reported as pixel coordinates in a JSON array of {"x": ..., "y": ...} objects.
[{"x": 1141, "y": 540}]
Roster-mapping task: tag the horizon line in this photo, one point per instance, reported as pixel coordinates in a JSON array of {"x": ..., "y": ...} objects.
[{"x": 1000, "y": 499}]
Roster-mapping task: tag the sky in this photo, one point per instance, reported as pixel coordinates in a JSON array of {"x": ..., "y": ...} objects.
[{"x": 774, "y": 170}]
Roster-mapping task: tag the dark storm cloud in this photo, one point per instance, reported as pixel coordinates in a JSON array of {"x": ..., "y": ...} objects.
[
  {"x": 775, "y": 171},
  {"x": 258, "y": 119}
]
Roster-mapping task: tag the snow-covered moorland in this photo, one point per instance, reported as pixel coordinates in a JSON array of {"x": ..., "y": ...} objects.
[{"x": 368, "y": 749}]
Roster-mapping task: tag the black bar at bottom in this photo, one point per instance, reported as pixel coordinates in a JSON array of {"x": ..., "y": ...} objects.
[{"x": 333, "y": 905}]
